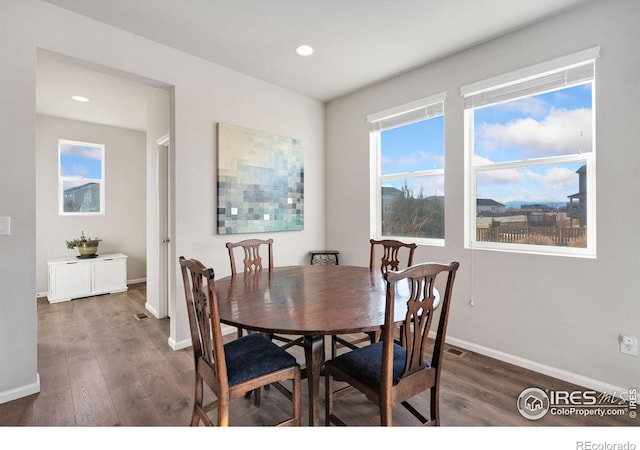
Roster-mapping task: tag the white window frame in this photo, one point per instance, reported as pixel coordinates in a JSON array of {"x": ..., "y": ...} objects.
[
  {"x": 62, "y": 179},
  {"x": 405, "y": 114},
  {"x": 571, "y": 70}
]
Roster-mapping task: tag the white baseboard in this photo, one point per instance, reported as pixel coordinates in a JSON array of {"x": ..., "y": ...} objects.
[
  {"x": 22, "y": 391},
  {"x": 226, "y": 329},
  {"x": 152, "y": 310},
  {"x": 554, "y": 372},
  {"x": 134, "y": 281},
  {"x": 179, "y": 345}
]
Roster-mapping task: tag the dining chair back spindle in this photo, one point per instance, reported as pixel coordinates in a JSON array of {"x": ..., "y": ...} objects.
[
  {"x": 392, "y": 371},
  {"x": 233, "y": 369}
]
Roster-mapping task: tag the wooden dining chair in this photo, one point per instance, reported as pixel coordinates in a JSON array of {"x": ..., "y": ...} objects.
[
  {"x": 233, "y": 369},
  {"x": 392, "y": 251},
  {"x": 252, "y": 263},
  {"x": 391, "y": 371},
  {"x": 395, "y": 255}
]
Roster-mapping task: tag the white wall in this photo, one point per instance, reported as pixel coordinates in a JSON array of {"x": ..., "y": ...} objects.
[
  {"x": 204, "y": 94},
  {"x": 122, "y": 227},
  {"x": 158, "y": 126},
  {"x": 558, "y": 315},
  {"x": 18, "y": 358}
]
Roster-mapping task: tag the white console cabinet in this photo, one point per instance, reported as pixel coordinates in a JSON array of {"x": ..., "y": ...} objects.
[{"x": 75, "y": 278}]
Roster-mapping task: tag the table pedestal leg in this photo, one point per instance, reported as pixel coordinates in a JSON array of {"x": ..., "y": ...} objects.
[{"x": 314, "y": 357}]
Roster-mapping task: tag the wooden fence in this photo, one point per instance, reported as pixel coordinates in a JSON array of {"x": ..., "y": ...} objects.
[{"x": 534, "y": 235}]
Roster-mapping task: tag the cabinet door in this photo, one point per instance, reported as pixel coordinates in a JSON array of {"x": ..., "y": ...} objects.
[
  {"x": 109, "y": 275},
  {"x": 71, "y": 280}
]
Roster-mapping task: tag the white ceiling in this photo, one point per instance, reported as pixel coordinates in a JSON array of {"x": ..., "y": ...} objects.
[
  {"x": 357, "y": 42},
  {"x": 114, "y": 100}
]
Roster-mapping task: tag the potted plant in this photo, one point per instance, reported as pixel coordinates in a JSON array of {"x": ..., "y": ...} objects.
[{"x": 88, "y": 247}]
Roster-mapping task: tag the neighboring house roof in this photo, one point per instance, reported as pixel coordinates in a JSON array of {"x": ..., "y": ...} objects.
[
  {"x": 390, "y": 190},
  {"x": 487, "y": 202},
  {"x": 79, "y": 188}
]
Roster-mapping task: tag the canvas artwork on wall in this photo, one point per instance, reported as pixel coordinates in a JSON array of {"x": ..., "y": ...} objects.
[{"x": 260, "y": 181}]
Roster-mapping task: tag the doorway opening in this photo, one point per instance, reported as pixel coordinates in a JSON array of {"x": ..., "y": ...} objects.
[{"x": 128, "y": 102}]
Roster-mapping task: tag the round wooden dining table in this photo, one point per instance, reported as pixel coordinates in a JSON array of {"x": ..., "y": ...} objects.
[{"x": 312, "y": 301}]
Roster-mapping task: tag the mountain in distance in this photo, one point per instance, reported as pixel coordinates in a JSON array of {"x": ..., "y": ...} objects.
[{"x": 517, "y": 204}]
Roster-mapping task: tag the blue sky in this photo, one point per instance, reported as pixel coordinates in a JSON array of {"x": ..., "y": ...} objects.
[
  {"x": 81, "y": 162},
  {"x": 418, "y": 146},
  {"x": 550, "y": 124}
]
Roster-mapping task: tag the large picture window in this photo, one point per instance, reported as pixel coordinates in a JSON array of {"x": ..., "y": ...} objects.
[
  {"x": 407, "y": 147},
  {"x": 80, "y": 178},
  {"x": 530, "y": 159}
]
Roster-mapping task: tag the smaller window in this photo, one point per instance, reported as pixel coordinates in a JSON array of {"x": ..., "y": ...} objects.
[
  {"x": 80, "y": 178},
  {"x": 407, "y": 148}
]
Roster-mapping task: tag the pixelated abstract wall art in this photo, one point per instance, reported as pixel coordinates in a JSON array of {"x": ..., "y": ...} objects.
[{"x": 260, "y": 181}]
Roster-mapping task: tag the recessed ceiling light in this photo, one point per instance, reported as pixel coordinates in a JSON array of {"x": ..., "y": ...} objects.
[
  {"x": 80, "y": 98},
  {"x": 304, "y": 50}
]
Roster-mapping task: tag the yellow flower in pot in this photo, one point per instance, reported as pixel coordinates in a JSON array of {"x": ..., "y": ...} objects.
[{"x": 88, "y": 247}]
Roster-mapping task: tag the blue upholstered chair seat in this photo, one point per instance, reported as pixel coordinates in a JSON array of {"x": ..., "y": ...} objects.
[
  {"x": 264, "y": 357},
  {"x": 366, "y": 363}
]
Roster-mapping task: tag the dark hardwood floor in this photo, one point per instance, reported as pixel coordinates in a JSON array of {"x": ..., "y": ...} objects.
[{"x": 101, "y": 365}]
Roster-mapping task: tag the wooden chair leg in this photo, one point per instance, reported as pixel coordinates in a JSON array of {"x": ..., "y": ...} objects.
[
  {"x": 257, "y": 396},
  {"x": 223, "y": 414},
  {"x": 198, "y": 399},
  {"x": 328, "y": 408},
  {"x": 296, "y": 401},
  {"x": 435, "y": 406},
  {"x": 386, "y": 419}
]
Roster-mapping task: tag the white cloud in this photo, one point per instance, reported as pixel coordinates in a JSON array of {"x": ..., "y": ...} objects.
[
  {"x": 528, "y": 184},
  {"x": 503, "y": 176},
  {"x": 419, "y": 160},
  {"x": 554, "y": 179},
  {"x": 533, "y": 106},
  {"x": 81, "y": 151},
  {"x": 427, "y": 185},
  {"x": 561, "y": 132}
]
